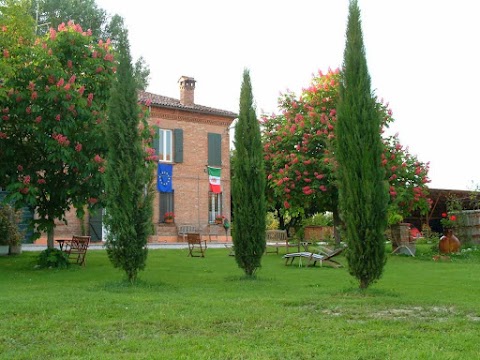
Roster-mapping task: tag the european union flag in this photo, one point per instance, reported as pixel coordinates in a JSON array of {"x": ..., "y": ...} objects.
[{"x": 164, "y": 177}]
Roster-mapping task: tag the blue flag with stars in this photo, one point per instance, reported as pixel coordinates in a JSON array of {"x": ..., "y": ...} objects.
[{"x": 164, "y": 177}]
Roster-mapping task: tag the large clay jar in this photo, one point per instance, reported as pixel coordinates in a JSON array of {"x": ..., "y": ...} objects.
[{"x": 449, "y": 243}]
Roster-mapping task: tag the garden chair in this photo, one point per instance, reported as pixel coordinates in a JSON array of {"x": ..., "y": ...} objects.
[
  {"x": 323, "y": 258},
  {"x": 77, "y": 248},
  {"x": 196, "y": 245}
]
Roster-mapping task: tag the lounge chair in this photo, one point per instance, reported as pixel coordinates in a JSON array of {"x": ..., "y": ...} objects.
[{"x": 326, "y": 257}]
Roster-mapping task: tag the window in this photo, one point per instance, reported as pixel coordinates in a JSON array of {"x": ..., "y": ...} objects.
[
  {"x": 169, "y": 145},
  {"x": 214, "y": 206},
  {"x": 166, "y": 205},
  {"x": 165, "y": 145},
  {"x": 214, "y": 149}
]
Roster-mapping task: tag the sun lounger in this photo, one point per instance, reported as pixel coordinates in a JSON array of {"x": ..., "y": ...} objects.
[{"x": 326, "y": 258}]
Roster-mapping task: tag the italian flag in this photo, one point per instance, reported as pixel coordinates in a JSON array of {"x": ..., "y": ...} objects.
[{"x": 214, "y": 179}]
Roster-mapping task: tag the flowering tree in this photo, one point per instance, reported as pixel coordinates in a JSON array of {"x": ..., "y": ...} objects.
[
  {"x": 51, "y": 129},
  {"x": 300, "y": 160}
]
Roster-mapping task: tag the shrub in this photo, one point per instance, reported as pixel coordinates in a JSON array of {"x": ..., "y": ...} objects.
[{"x": 53, "y": 258}]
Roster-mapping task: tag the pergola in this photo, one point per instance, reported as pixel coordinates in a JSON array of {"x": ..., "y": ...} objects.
[{"x": 470, "y": 200}]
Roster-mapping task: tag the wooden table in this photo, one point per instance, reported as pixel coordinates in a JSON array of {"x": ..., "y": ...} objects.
[{"x": 61, "y": 242}]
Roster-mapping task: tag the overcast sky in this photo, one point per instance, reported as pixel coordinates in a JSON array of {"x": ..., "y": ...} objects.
[{"x": 423, "y": 57}]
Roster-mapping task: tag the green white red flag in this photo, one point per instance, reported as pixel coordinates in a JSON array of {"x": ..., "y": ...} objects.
[{"x": 214, "y": 179}]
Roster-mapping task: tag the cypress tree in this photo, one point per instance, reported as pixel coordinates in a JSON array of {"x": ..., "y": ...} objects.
[
  {"x": 248, "y": 185},
  {"x": 362, "y": 192},
  {"x": 128, "y": 178}
]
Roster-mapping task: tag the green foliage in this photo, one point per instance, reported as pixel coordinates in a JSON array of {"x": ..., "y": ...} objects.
[
  {"x": 128, "y": 180},
  {"x": 51, "y": 134},
  {"x": 10, "y": 233},
  {"x": 53, "y": 258},
  {"x": 248, "y": 185},
  {"x": 55, "y": 12},
  {"x": 362, "y": 191}
]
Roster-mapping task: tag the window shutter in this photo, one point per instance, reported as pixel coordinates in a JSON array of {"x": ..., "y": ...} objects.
[
  {"x": 156, "y": 140},
  {"x": 214, "y": 149},
  {"x": 178, "y": 142}
]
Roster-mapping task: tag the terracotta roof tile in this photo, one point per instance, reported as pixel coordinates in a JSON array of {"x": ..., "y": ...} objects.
[{"x": 169, "y": 102}]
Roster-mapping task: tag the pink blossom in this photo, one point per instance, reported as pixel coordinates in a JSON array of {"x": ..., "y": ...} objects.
[
  {"x": 101, "y": 169},
  {"x": 57, "y": 117},
  {"x": 41, "y": 181},
  {"x": 148, "y": 102},
  {"x": 98, "y": 159},
  {"x": 6, "y": 54},
  {"x": 53, "y": 34},
  {"x": 20, "y": 168},
  {"x": 286, "y": 204},
  {"x": 26, "y": 180},
  {"x": 72, "y": 79},
  {"x": 4, "y": 28},
  {"x": 69, "y": 64},
  {"x": 24, "y": 190},
  {"x": 92, "y": 200},
  {"x": 67, "y": 86},
  {"x": 61, "y": 27},
  {"x": 28, "y": 110},
  {"x": 78, "y": 147},
  {"x": 81, "y": 90},
  {"x": 3, "y": 135},
  {"x": 34, "y": 95},
  {"x": 60, "y": 82},
  {"x": 89, "y": 32},
  {"x": 38, "y": 119}
]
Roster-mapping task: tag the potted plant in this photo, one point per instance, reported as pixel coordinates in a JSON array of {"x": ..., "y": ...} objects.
[
  {"x": 169, "y": 217},
  {"x": 10, "y": 234},
  {"x": 219, "y": 219},
  {"x": 449, "y": 243}
]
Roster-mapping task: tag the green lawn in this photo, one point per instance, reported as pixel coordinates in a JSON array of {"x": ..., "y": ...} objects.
[{"x": 194, "y": 308}]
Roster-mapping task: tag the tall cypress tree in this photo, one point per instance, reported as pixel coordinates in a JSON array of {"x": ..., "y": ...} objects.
[
  {"x": 362, "y": 192},
  {"x": 248, "y": 185},
  {"x": 128, "y": 178}
]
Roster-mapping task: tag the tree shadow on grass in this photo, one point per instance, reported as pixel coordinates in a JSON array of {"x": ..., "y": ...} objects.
[{"x": 355, "y": 292}]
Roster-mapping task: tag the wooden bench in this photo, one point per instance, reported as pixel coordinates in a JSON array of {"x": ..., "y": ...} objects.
[
  {"x": 183, "y": 230},
  {"x": 195, "y": 243},
  {"x": 277, "y": 239},
  {"x": 77, "y": 248}
]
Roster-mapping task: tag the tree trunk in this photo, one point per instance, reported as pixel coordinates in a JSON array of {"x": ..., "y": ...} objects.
[{"x": 50, "y": 233}]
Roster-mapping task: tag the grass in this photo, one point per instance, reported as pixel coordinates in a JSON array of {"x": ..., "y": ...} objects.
[{"x": 194, "y": 308}]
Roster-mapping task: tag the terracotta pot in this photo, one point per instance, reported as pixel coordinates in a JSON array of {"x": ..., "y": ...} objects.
[
  {"x": 169, "y": 221},
  {"x": 449, "y": 243},
  {"x": 218, "y": 221}
]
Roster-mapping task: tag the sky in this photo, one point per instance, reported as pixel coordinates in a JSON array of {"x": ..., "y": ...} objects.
[{"x": 422, "y": 55}]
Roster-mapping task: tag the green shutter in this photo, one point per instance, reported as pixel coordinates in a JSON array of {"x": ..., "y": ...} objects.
[
  {"x": 178, "y": 143},
  {"x": 214, "y": 149}
]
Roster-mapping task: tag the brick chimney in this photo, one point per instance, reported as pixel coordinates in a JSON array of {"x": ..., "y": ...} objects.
[{"x": 187, "y": 90}]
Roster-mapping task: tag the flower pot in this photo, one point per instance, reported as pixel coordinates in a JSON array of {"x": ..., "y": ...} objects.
[
  {"x": 169, "y": 221},
  {"x": 449, "y": 243},
  {"x": 218, "y": 221}
]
